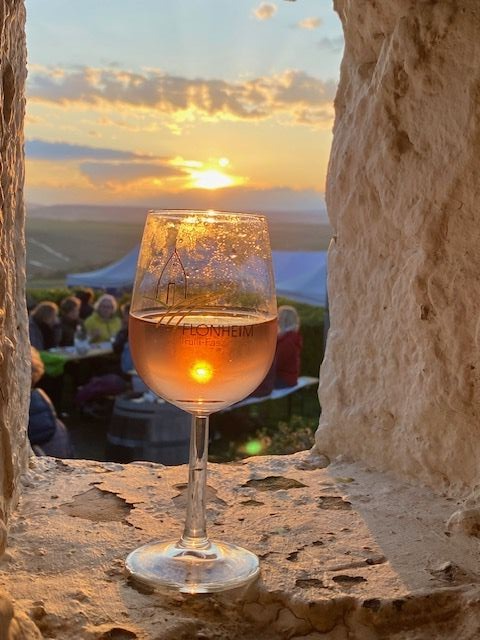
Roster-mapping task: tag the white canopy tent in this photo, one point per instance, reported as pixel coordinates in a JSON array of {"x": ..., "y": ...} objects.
[{"x": 300, "y": 276}]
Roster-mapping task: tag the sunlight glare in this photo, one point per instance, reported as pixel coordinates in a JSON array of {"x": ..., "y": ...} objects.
[{"x": 211, "y": 179}]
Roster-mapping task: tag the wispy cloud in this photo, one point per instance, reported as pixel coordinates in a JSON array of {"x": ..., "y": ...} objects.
[
  {"x": 265, "y": 11},
  {"x": 111, "y": 167},
  {"x": 113, "y": 172},
  {"x": 46, "y": 150},
  {"x": 334, "y": 45},
  {"x": 310, "y": 23},
  {"x": 295, "y": 95}
]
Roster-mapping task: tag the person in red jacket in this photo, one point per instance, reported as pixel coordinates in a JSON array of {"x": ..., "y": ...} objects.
[{"x": 289, "y": 347}]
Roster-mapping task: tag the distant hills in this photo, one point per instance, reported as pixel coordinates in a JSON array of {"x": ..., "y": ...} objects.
[
  {"x": 136, "y": 214},
  {"x": 65, "y": 239}
]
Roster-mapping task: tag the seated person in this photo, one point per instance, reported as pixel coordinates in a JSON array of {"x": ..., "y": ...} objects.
[
  {"x": 69, "y": 320},
  {"x": 46, "y": 432},
  {"x": 44, "y": 326},
  {"x": 267, "y": 385},
  {"x": 289, "y": 347},
  {"x": 285, "y": 367},
  {"x": 104, "y": 323},
  {"x": 121, "y": 339},
  {"x": 121, "y": 345},
  {"x": 126, "y": 360},
  {"x": 86, "y": 298}
]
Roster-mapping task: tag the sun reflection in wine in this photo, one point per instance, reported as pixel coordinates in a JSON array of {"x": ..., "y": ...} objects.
[{"x": 201, "y": 372}]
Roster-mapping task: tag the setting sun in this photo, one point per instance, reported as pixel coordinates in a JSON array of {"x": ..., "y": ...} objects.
[{"x": 211, "y": 179}]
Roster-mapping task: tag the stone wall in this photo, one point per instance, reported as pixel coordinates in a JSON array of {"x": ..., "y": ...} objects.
[
  {"x": 14, "y": 354},
  {"x": 400, "y": 384}
]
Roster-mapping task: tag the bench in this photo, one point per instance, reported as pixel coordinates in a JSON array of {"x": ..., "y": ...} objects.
[{"x": 303, "y": 383}]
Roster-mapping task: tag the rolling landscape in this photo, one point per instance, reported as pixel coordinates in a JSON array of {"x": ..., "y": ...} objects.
[{"x": 65, "y": 239}]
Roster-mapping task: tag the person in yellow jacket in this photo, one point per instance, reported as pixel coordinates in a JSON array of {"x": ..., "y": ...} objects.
[{"x": 104, "y": 323}]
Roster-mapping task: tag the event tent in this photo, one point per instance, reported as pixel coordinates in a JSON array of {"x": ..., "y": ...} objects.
[{"x": 300, "y": 276}]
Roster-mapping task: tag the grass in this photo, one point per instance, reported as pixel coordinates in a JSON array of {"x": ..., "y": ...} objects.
[{"x": 58, "y": 247}]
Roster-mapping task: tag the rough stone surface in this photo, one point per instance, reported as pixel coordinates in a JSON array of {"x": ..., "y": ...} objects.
[
  {"x": 15, "y": 625},
  {"x": 345, "y": 553},
  {"x": 400, "y": 384},
  {"x": 14, "y": 355}
]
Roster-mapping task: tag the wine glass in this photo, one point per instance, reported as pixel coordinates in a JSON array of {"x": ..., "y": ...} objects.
[{"x": 202, "y": 334}]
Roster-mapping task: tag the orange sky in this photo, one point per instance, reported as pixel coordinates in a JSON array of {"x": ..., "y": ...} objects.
[{"x": 129, "y": 129}]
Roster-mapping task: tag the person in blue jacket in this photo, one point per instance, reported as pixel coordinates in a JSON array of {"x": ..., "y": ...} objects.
[{"x": 46, "y": 432}]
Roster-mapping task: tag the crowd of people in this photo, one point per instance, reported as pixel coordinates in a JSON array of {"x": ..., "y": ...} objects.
[{"x": 52, "y": 326}]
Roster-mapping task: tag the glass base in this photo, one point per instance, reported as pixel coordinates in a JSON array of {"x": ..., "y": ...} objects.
[{"x": 173, "y": 566}]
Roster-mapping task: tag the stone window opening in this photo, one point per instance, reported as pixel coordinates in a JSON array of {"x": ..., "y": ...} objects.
[{"x": 363, "y": 547}]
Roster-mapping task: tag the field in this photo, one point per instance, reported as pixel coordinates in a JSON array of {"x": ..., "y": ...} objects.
[{"x": 56, "y": 247}]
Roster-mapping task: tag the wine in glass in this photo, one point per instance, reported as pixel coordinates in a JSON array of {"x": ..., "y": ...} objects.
[{"x": 202, "y": 333}]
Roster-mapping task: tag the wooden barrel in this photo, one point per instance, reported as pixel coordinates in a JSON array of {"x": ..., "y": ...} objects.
[{"x": 152, "y": 431}]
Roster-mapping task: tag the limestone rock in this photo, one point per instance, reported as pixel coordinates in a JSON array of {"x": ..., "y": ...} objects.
[
  {"x": 343, "y": 552},
  {"x": 400, "y": 383},
  {"x": 14, "y": 355},
  {"x": 466, "y": 521},
  {"x": 15, "y": 625}
]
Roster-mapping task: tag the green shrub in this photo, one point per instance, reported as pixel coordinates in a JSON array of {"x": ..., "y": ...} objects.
[
  {"x": 286, "y": 437},
  {"x": 34, "y": 296},
  {"x": 293, "y": 436}
]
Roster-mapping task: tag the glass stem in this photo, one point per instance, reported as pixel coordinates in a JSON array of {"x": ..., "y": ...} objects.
[{"x": 195, "y": 531}]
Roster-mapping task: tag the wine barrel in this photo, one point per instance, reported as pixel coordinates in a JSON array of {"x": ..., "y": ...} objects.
[{"x": 152, "y": 431}]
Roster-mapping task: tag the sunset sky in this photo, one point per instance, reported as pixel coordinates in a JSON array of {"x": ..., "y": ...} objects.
[{"x": 222, "y": 103}]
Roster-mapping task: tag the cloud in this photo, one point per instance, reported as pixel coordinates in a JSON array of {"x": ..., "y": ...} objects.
[
  {"x": 44, "y": 150},
  {"x": 112, "y": 172},
  {"x": 310, "y": 23},
  {"x": 109, "y": 167},
  {"x": 333, "y": 45},
  {"x": 265, "y": 11},
  {"x": 290, "y": 94}
]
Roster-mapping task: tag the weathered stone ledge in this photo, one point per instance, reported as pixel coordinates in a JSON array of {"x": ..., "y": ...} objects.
[{"x": 345, "y": 553}]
